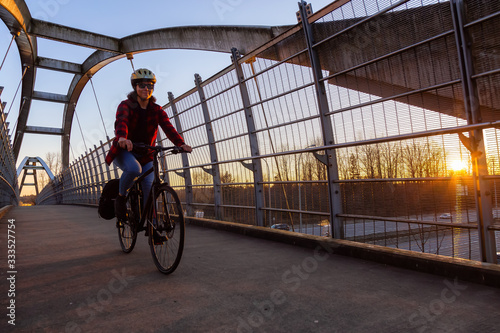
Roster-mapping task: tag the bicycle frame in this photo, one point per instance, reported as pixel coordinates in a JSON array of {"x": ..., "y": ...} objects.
[
  {"x": 152, "y": 193},
  {"x": 160, "y": 215}
]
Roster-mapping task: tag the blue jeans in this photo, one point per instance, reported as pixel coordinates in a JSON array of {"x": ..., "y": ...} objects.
[{"x": 128, "y": 163}]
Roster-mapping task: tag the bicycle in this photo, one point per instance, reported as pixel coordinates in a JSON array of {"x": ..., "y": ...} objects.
[{"x": 162, "y": 217}]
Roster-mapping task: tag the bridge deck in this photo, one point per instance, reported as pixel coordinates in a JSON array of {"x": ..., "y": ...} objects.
[{"x": 72, "y": 277}]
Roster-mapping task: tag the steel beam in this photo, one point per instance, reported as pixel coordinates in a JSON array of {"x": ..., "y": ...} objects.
[
  {"x": 334, "y": 194},
  {"x": 50, "y": 97},
  {"x": 16, "y": 16},
  {"x": 43, "y": 130},
  {"x": 482, "y": 193},
  {"x": 58, "y": 65},
  {"x": 258, "y": 177},
  {"x": 74, "y": 36},
  {"x": 209, "y": 38},
  {"x": 215, "y": 170},
  {"x": 186, "y": 173},
  {"x": 30, "y": 163}
]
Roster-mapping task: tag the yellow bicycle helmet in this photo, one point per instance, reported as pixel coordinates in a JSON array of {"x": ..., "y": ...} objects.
[{"x": 141, "y": 75}]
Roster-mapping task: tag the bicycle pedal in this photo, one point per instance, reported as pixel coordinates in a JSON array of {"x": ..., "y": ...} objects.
[{"x": 159, "y": 239}]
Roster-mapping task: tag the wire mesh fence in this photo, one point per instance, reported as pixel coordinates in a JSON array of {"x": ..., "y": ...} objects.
[
  {"x": 373, "y": 121},
  {"x": 9, "y": 189}
]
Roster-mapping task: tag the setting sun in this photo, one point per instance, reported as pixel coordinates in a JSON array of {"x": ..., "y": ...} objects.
[{"x": 458, "y": 165}]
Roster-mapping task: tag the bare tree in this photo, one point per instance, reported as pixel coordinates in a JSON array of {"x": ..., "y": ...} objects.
[
  {"x": 370, "y": 160},
  {"x": 227, "y": 178},
  {"x": 201, "y": 177},
  {"x": 284, "y": 164},
  {"x": 390, "y": 154},
  {"x": 53, "y": 161},
  {"x": 311, "y": 168},
  {"x": 423, "y": 159},
  {"x": 354, "y": 169},
  {"x": 203, "y": 194}
]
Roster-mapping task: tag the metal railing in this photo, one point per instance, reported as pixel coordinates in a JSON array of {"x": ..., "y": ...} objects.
[
  {"x": 348, "y": 125},
  {"x": 9, "y": 189}
]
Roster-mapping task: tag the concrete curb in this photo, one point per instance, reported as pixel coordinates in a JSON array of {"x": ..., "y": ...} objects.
[
  {"x": 4, "y": 210},
  {"x": 463, "y": 269}
]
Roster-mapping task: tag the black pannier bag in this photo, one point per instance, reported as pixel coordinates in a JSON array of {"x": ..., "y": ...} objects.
[{"x": 109, "y": 193}]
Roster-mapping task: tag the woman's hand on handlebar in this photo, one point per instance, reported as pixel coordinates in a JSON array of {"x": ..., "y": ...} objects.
[
  {"x": 125, "y": 144},
  {"x": 187, "y": 148}
]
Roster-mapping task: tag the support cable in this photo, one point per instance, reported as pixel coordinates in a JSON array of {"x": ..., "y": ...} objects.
[
  {"x": 81, "y": 132},
  {"x": 70, "y": 146},
  {"x": 14, "y": 98},
  {"x": 17, "y": 90},
  {"x": 20, "y": 108},
  {"x": 14, "y": 35},
  {"x": 72, "y": 152},
  {"x": 98, "y": 107}
]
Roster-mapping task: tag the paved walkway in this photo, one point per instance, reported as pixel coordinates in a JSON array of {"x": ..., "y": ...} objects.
[{"x": 71, "y": 276}]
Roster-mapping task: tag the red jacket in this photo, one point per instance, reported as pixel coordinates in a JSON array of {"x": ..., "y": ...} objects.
[{"x": 137, "y": 125}]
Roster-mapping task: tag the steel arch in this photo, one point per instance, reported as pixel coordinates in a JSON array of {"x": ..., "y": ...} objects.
[{"x": 16, "y": 16}]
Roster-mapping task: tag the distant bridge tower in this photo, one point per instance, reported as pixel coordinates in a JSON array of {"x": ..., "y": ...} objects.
[{"x": 29, "y": 165}]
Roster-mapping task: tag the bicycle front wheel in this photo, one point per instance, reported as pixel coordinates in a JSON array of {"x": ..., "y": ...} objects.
[
  {"x": 166, "y": 229},
  {"x": 127, "y": 230}
]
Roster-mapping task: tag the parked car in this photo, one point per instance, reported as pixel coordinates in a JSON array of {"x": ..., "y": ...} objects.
[
  {"x": 281, "y": 226},
  {"x": 445, "y": 216}
]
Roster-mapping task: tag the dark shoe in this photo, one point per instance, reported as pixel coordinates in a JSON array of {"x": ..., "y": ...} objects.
[
  {"x": 121, "y": 207},
  {"x": 158, "y": 239}
]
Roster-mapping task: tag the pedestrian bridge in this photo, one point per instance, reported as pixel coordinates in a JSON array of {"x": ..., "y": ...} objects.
[
  {"x": 353, "y": 140},
  {"x": 71, "y": 276}
]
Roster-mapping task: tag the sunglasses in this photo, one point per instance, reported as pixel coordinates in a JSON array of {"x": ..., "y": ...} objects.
[{"x": 150, "y": 86}]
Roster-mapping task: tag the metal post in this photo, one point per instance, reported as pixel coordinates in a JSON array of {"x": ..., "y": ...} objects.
[
  {"x": 185, "y": 161},
  {"x": 475, "y": 142},
  {"x": 115, "y": 169},
  {"x": 90, "y": 176},
  {"x": 96, "y": 189},
  {"x": 72, "y": 183},
  {"x": 35, "y": 179},
  {"x": 75, "y": 181},
  {"x": 269, "y": 191},
  {"x": 85, "y": 179},
  {"x": 326, "y": 126},
  {"x": 65, "y": 145},
  {"x": 22, "y": 182},
  {"x": 163, "y": 161},
  {"x": 108, "y": 172},
  {"x": 89, "y": 171},
  {"x": 102, "y": 177},
  {"x": 254, "y": 143},
  {"x": 80, "y": 188},
  {"x": 215, "y": 170}
]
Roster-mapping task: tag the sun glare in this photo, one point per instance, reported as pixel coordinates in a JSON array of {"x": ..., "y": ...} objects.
[{"x": 458, "y": 165}]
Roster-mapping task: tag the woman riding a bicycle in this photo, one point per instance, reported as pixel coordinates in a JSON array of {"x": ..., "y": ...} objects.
[{"x": 137, "y": 121}]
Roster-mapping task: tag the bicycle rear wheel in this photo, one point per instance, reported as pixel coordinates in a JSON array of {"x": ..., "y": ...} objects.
[
  {"x": 127, "y": 231},
  {"x": 166, "y": 230}
]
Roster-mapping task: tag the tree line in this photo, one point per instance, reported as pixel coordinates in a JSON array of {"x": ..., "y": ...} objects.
[{"x": 412, "y": 159}]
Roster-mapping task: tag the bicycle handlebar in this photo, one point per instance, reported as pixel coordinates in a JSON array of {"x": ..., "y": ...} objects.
[{"x": 173, "y": 149}]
